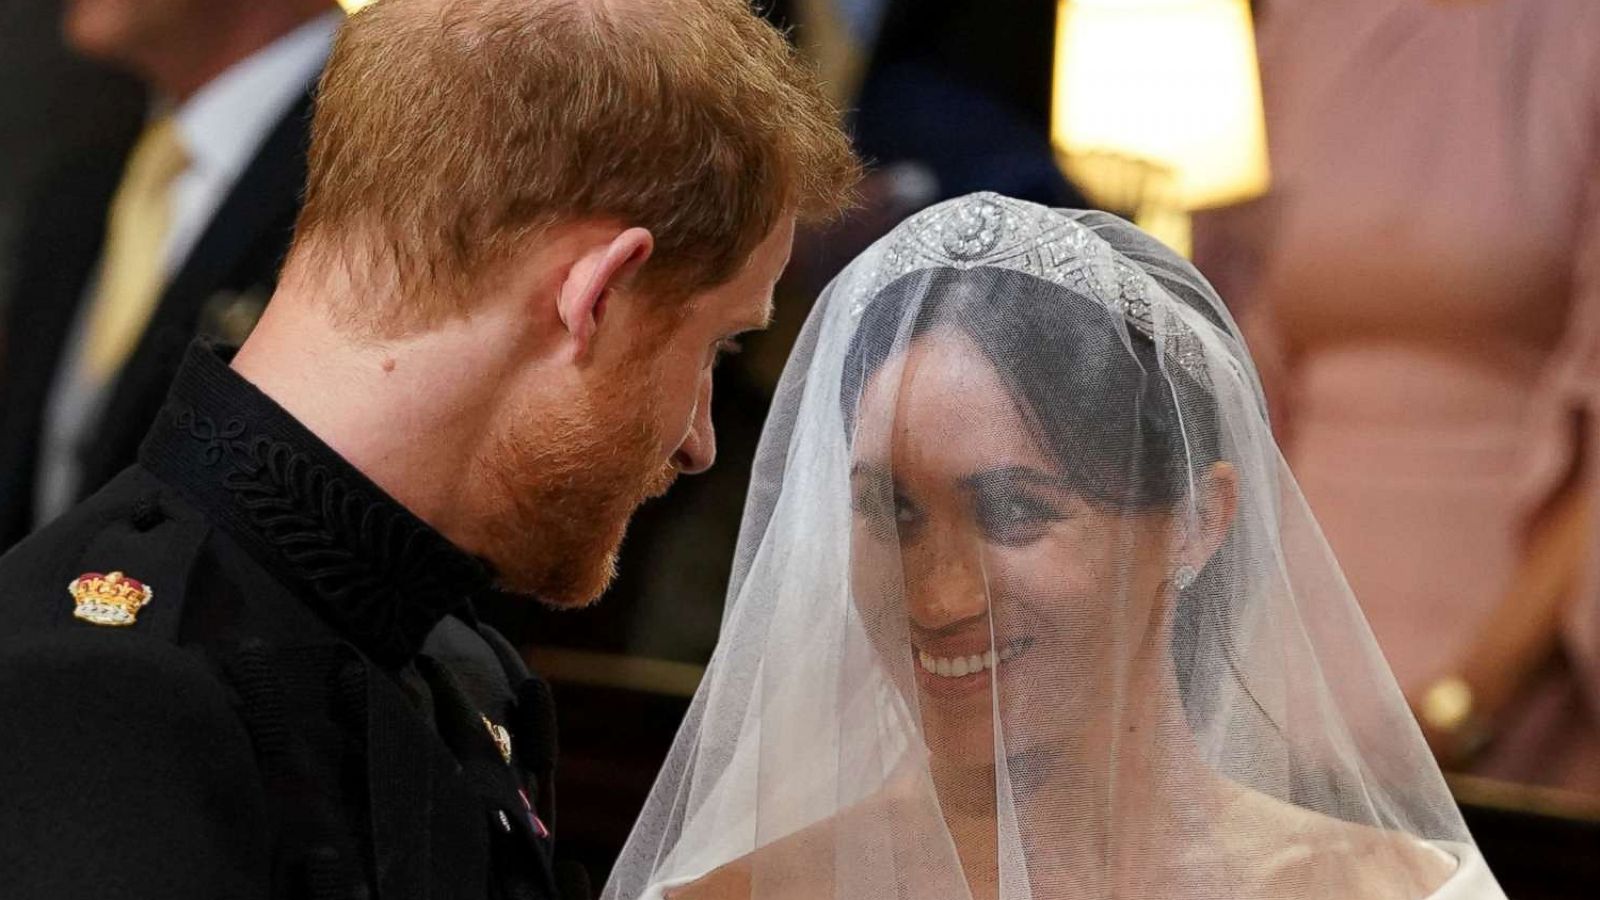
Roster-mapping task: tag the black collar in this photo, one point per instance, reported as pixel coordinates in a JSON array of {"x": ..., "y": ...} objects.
[{"x": 380, "y": 575}]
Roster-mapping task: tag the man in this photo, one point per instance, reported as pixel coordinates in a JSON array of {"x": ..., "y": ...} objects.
[
  {"x": 117, "y": 270},
  {"x": 250, "y": 665}
]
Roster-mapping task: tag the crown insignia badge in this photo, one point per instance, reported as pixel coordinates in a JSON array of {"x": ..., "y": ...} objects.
[{"x": 113, "y": 599}]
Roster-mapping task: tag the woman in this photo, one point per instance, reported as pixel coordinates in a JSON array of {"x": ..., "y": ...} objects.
[
  {"x": 1422, "y": 290},
  {"x": 1026, "y": 605}
]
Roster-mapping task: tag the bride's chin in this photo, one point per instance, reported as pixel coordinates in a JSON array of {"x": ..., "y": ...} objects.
[
  {"x": 964, "y": 782},
  {"x": 959, "y": 743}
]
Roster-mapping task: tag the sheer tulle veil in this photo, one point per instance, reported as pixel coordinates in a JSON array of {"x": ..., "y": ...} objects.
[{"x": 1027, "y": 605}]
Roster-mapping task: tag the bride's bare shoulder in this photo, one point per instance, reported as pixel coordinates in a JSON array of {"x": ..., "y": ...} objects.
[
  {"x": 797, "y": 866},
  {"x": 730, "y": 882},
  {"x": 1293, "y": 846},
  {"x": 801, "y": 865},
  {"x": 1276, "y": 849}
]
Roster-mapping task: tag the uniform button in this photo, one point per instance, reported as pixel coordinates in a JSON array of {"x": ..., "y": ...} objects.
[{"x": 147, "y": 514}]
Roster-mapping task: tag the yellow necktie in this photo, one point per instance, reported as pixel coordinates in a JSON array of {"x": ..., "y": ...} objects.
[{"x": 132, "y": 268}]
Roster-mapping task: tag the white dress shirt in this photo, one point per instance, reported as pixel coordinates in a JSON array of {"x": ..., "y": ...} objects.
[
  {"x": 222, "y": 127},
  {"x": 225, "y": 123}
]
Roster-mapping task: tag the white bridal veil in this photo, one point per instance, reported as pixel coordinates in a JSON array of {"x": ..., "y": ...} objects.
[{"x": 1027, "y": 605}]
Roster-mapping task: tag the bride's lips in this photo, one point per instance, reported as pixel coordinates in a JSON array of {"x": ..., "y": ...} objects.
[{"x": 951, "y": 671}]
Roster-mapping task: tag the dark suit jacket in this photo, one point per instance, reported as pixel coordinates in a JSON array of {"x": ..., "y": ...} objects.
[
  {"x": 218, "y": 291},
  {"x": 305, "y": 707}
]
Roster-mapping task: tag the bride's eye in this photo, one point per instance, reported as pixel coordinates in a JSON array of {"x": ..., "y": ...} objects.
[
  {"x": 885, "y": 512},
  {"x": 1013, "y": 518},
  {"x": 904, "y": 512}
]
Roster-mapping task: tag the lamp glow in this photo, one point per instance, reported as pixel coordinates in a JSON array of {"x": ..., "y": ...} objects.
[
  {"x": 1157, "y": 104},
  {"x": 351, "y": 7}
]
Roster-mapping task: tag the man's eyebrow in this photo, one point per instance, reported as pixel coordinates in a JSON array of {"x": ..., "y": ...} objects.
[{"x": 761, "y": 323}]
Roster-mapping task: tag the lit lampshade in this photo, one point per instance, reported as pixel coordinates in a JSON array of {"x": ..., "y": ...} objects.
[
  {"x": 1157, "y": 104},
  {"x": 354, "y": 6}
]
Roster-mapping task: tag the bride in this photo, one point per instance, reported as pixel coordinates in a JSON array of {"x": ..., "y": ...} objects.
[{"x": 1026, "y": 605}]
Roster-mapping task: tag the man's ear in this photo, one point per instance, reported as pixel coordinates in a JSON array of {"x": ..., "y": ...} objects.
[{"x": 602, "y": 267}]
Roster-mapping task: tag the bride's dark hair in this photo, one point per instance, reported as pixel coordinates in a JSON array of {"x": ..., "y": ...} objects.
[{"x": 1095, "y": 390}]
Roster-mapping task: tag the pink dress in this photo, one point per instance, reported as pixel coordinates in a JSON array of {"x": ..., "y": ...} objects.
[{"x": 1422, "y": 290}]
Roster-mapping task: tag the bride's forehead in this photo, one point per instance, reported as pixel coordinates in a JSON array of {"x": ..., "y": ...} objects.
[{"x": 942, "y": 400}]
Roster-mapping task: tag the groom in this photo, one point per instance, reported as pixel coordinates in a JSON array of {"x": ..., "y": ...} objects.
[{"x": 250, "y": 666}]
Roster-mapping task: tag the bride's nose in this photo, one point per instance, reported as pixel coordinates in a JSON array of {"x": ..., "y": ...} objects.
[{"x": 945, "y": 582}]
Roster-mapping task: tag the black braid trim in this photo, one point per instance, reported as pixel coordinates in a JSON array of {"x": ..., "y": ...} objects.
[{"x": 381, "y": 575}]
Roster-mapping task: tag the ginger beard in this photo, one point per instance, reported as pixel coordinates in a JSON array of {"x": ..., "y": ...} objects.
[{"x": 564, "y": 485}]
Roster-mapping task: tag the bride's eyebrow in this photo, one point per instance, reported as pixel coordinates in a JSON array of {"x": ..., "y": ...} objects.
[
  {"x": 1010, "y": 477},
  {"x": 868, "y": 470}
]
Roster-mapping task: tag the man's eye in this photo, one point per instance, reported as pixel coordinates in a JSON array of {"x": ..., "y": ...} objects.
[{"x": 727, "y": 347}]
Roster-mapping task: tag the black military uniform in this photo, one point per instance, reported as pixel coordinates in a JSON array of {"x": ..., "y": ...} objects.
[{"x": 303, "y": 704}]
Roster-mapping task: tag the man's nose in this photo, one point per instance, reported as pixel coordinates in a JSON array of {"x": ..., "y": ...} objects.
[{"x": 699, "y": 448}]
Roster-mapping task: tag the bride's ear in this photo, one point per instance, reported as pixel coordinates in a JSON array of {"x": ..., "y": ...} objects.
[{"x": 1217, "y": 503}]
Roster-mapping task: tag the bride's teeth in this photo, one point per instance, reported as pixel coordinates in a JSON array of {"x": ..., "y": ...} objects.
[{"x": 961, "y": 666}]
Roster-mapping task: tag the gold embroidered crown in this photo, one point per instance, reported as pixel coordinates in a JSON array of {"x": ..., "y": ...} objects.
[{"x": 113, "y": 599}]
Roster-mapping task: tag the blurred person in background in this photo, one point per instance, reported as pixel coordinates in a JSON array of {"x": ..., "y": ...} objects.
[
  {"x": 962, "y": 90},
  {"x": 54, "y": 106},
  {"x": 116, "y": 271},
  {"x": 948, "y": 98},
  {"x": 1422, "y": 290}
]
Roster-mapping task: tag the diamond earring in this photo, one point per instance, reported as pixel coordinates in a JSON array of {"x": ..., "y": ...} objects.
[{"x": 1185, "y": 577}]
